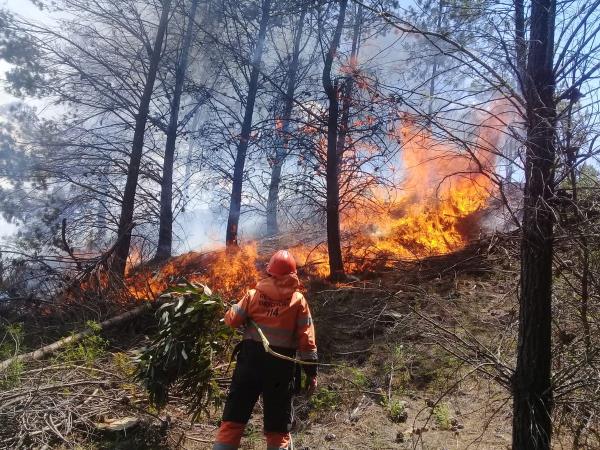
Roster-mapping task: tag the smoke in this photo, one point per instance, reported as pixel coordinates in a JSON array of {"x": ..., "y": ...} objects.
[{"x": 203, "y": 228}]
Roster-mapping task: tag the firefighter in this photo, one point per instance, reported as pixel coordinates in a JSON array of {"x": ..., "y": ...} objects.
[{"x": 283, "y": 315}]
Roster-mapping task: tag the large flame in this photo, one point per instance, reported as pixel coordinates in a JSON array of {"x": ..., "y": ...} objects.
[
  {"x": 229, "y": 271},
  {"x": 442, "y": 188},
  {"x": 433, "y": 210}
]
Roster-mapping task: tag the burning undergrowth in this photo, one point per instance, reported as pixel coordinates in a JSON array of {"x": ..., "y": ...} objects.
[
  {"x": 434, "y": 209},
  {"x": 232, "y": 270}
]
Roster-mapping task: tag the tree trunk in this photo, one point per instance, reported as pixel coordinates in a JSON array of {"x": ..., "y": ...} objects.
[
  {"x": 165, "y": 232},
  {"x": 332, "y": 170},
  {"x": 235, "y": 203},
  {"x": 434, "y": 70},
  {"x": 532, "y": 389},
  {"x": 520, "y": 44},
  {"x": 281, "y": 151},
  {"x": 188, "y": 159},
  {"x": 128, "y": 203},
  {"x": 349, "y": 86}
]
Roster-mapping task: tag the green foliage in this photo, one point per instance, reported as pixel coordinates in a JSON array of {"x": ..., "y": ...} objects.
[
  {"x": 20, "y": 50},
  {"x": 11, "y": 377},
  {"x": 358, "y": 377},
  {"x": 124, "y": 364},
  {"x": 12, "y": 338},
  {"x": 88, "y": 350},
  {"x": 190, "y": 333},
  {"x": 10, "y": 346},
  {"x": 441, "y": 414},
  {"x": 397, "y": 411},
  {"x": 325, "y": 399}
]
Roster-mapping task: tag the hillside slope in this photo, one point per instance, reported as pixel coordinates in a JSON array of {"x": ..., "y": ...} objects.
[{"x": 396, "y": 341}]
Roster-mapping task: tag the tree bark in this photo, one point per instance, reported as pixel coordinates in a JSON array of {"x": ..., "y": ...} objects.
[
  {"x": 434, "y": 69},
  {"x": 532, "y": 389},
  {"x": 165, "y": 231},
  {"x": 128, "y": 203},
  {"x": 281, "y": 151},
  {"x": 188, "y": 159},
  {"x": 520, "y": 44},
  {"x": 332, "y": 170},
  {"x": 235, "y": 203},
  {"x": 349, "y": 86}
]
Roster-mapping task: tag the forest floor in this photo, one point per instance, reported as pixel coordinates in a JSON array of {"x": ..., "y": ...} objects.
[
  {"x": 397, "y": 380},
  {"x": 394, "y": 385}
]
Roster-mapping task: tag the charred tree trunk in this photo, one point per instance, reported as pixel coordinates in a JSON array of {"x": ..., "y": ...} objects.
[
  {"x": 281, "y": 152},
  {"x": 165, "y": 231},
  {"x": 349, "y": 86},
  {"x": 532, "y": 389},
  {"x": 235, "y": 203},
  {"x": 510, "y": 150},
  {"x": 332, "y": 170},
  {"x": 128, "y": 203},
  {"x": 520, "y": 44}
]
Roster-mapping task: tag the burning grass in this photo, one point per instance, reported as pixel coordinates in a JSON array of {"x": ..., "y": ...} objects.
[{"x": 232, "y": 270}]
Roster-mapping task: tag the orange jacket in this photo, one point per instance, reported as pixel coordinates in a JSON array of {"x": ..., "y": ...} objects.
[{"x": 281, "y": 312}]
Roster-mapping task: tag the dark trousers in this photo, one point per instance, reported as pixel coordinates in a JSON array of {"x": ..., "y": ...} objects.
[{"x": 257, "y": 373}]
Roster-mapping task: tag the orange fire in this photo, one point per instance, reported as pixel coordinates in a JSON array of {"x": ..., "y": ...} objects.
[
  {"x": 433, "y": 211},
  {"x": 228, "y": 271},
  {"x": 442, "y": 188}
]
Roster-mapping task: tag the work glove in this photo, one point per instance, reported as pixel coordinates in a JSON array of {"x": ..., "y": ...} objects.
[{"x": 311, "y": 385}]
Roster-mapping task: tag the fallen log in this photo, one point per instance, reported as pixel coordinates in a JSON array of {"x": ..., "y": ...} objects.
[{"x": 49, "y": 349}]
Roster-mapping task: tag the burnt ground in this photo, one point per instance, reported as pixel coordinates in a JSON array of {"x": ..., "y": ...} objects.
[{"x": 401, "y": 345}]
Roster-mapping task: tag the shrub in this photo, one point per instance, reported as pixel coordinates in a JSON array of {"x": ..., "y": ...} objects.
[
  {"x": 12, "y": 339},
  {"x": 88, "y": 350},
  {"x": 441, "y": 414},
  {"x": 358, "y": 377},
  {"x": 397, "y": 411},
  {"x": 190, "y": 334},
  {"x": 10, "y": 346},
  {"x": 325, "y": 399},
  {"x": 11, "y": 377},
  {"x": 124, "y": 364}
]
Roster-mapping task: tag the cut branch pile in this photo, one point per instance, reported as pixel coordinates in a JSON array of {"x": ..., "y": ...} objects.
[{"x": 60, "y": 402}]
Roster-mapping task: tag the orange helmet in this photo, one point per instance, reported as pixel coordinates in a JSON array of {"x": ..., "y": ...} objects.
[{"x": 281, "y": 263}]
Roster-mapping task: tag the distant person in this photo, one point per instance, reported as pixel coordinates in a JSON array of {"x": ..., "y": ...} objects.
[{"x": 283, "y": 315}]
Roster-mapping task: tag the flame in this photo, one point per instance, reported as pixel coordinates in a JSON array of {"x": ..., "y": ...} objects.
[
  {"x": 433, "y": 211},
  {"x": 233, "y": 271},
  {"x": 441, "y": 189},
  {"x": 228, "y": 271}
]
